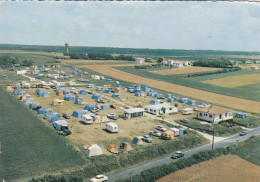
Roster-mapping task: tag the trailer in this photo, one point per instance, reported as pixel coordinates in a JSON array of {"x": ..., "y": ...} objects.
[{"x": 112, "y": 127}]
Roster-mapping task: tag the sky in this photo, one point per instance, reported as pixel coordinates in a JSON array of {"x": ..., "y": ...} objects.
[{"x": 165, "y": 25}]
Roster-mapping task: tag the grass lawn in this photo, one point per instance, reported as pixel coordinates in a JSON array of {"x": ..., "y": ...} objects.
[{"x": 29, "y": 147}]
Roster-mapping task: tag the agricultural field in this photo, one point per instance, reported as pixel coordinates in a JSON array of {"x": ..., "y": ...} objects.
[
  {"x": 228, "y": 101},
  {"x": 224, "y": 168},
  {"x": 29, "y": 146},
  {"x": 87, "y": 61},
  {"x": 184, "y": 70},
  {"x": 235, "y": 81}
]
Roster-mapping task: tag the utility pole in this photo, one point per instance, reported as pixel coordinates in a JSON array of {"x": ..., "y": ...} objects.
[
  {"x": 213, "y": 139},
  {"x": 131, "y": 175}
]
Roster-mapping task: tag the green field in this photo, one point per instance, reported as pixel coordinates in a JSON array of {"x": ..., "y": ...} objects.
[
  {"x": 29, "y": 146},
  {"x": 245, "y": 92}
]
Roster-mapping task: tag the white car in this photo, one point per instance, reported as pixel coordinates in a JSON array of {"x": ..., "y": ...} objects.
[
  {"x": 160, "y": 128},
  {"x": 99, "y": 178},
  {"x": 155, "y": 133}
]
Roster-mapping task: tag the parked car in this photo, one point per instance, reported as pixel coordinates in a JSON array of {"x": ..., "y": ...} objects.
[
  {"x": 243, "y": 133},
  {"x": 66, "y": 116},
  {"x": 99, "y": 178},
  {"x": 160, "y": 97},
  {"x": 160, "y": 128},
  {"x": 156, "y": 133},
  {"x": 66, "y": 132},
  {"x": 147, "y": 139},
  {"x": 36, "y": 108},
  {"x": 177, "y": 155},
  {"x": 101, "y": 101},
  {"x": 184, "y": 120},
  {"x": 112, "y": 116}
]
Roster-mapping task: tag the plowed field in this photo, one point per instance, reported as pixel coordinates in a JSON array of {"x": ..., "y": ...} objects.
[{"x": 184, "y": 70}]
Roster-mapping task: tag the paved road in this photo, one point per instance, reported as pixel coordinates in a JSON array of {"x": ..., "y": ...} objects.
[{"x": 167, "y": 160}]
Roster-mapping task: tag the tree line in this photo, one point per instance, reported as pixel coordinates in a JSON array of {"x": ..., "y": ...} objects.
[
  {"x": 7, "y": 62},
  {"x": 222, "y": 63},
  {"x": 99, "y": 56}
]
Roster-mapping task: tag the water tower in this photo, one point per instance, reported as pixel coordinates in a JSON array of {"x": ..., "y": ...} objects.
[{"x": 67, "y": 48}]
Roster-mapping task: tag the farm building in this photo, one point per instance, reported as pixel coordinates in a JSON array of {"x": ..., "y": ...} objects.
[
  {"x": 60, "y": 125},
  {"x": 126, "y": 146},
  {"x": 139, "y": 60},
  {"x": 133, "y": 112},
  {"x": 214, "y": 114},
  {"x": 191, "y": 102},
  {"x": 183, "y": 100},
  {"x": 155, "y": 102},
  {"x": 57, "y": 102},
  {"x": 94, "y": 150},
  {"x": 115, "y": 95},
  {"x": 241, "y": 115},
  {"x": 82, "y": 92},
  {"x": 69, "y": 97},
  {"x": 187, "y": 111},
  {"x": 87, "y": 119},
  {"x": 27, "y": 101},
  {"x": 42, "y": 111},
  {"x": 139, "y": 94},
  {"x": 105, "y": 107},
  {"x": 112, "y": 148},
  {"x": 78, "y": 101},
  {"x": 167, "y": 135},
  {"x": 164, "y": 108},
  {"x": 138, "y": 140},
  {"x": 33, "y": 105},
  {"x": 112, "y": 127},
  {"x": 170, "y": 100},
  {"x": 44, "y": 94},
  {"x": 89, "y": 107},
  {"x": 4, "y": 76},
  {"x": 78, "y": 113}
]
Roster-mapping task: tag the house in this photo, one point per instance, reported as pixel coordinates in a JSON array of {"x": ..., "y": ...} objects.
[
  {"x": 164, "y": 108},
  {"x": 94, "y": 150},
  {"x": 57, "y": 102},
  {"x": 133, "y": 112},
  {"x": 178, "y": 64},
  {"x": 78, "y": 113},
  {"x": 112, "y": 127},
  {"x": 60, "y": 125},
  {"x": 139, "y": 60},
  {"x": 87, "y": 119},
  {"x": 214, "y": 114}
]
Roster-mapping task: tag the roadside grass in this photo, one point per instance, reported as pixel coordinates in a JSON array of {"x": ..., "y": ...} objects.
[
  {"x": 249, "y": 122},
  {"x": 29, "y": 147}
]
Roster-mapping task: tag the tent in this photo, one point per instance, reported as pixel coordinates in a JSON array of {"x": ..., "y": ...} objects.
[
  {"x": 98, "y": 88},
  {"x": 78, "y": 113},
  {"x": 44, "y": 94},
  {"x": 82, "y": 92},
  {"x": 38, "y": 91},
  {"x": 180, "y": 131},
  {"x": 15, "y": 92},
  {"x": 155, "y": 102},
  {"x": 66, "y": 92},
  {"x": 69, "y": 97},
  {"x": 167, "y": 135},
  {"x": 183, "y": 100},
  {"x": 27, "y": 101},
  {"x": 170, "y": 100},
  {"x": 115, "y": 95},
  {"x": 105, "y": 107},
  {"x": 93, "y": 150},
  {"x": 241, "y": 115},
  {"x": 112, "y": 148},
  {"x": 55, "y": 118},
  {"x": 191, "y": 102},
  {"x": 126, "y": 146},
  {"x": 60, "y": 125},
  {"x": 78, "y": 101},
  {"x": 168, "y": 95},
  {"x": 42, "y": 110},
  {"x": 95, "y": 95},
  {"x": 89, "y": 107},
  {"x": 107, "y": 91},
  {"x": 48, "y": 115},
  {"x": 4, "y": 76},
  {"x": 33, "y": 105},
  {"x": 58, "y": 90},
  {"x": 139, "y": 94},
  {"x": 138, "y": 140}
]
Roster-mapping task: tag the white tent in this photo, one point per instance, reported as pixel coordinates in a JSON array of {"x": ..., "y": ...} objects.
[{"x": 93, "y": 150}]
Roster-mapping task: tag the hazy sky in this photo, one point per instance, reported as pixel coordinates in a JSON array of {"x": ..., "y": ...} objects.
[{"x": 173, "y": 25}]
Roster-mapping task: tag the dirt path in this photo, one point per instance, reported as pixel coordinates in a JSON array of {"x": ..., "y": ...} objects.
[{"x": 227, "y": 101}]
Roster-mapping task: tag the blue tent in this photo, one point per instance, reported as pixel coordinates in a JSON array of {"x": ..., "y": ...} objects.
[
  {"x": 98, "y": 99},
  {"x": 155, "y": 95},
  {"x": 99, "y": 88},
  {"x": 241, "y": 115},
  {"x": 78, "y": 113},
  {"x": 20, "y": 93},
  {"x": 83, "y": 92},
  {"x": 95, "y": 95},
  {"x": 27, "y": 101},
  {"x": 44, "y": 94},
  {"x": 109, "y": 80},
  {"x": 69, "y": 97},
  {"x": 15, "y": 92},
  {"x": 55, "y": 118},
  {"x": 33, "y": 105},
  {"x": 61, "y": 124},
  {"x": 191, "y": 102},
  {"x": 115, "y": 95},
  {"x": 48, "y": 115},
  {"x": 78, "y": 101},
  {"x": 147, "y": 89},
  {"x": 170, "y": 100},
  {"x": 155, "y": 102},
  {"x": 66, "y": 92},
  {"x": 168, "y": 95},
  {"x": 89, "y": 107},
  {"x": 4, "y": 76},
  {"x": 58, "y": 90},
  {"x": 38, "y": 91},
  {"x": 139, "y": 94},
  {"x": 106, "y": 90},
  {"x": 105, "y": 107},
  {"x": 183, "y": 100},
  {"x": 42, "y": 110},
  {"x": 138, "y": 90}
]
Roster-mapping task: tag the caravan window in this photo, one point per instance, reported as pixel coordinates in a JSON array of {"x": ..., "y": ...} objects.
[{"x": 200, "y": 114}]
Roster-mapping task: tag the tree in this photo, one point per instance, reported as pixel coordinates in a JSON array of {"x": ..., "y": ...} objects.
[{"x": 159, "y": 60}]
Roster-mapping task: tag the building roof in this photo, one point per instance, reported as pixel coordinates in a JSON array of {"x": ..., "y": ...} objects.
[
  {"x": 62, "y": 123},
  {"x": 214, "y": 110},
  {"x": 133, "y": 110},
  {"x": 159, "y": 106}
]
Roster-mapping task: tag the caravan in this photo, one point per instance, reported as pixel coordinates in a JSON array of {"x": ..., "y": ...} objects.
[
  {"x": 87, "y": 119},
  {"x": 112, "y": 127}
]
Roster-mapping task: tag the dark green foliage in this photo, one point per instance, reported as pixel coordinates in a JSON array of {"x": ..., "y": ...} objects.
[
  {"x": 159, "y": 60},
  {"x": 78, "y": 55},
  {"x": 222, "y": 63},
  {"x": 225, "y": 70},
  {"x": 7, "y": 61},
  {"x": 147, "y": 66}
]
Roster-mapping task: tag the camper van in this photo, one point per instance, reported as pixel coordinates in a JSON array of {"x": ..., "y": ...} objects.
[
  {"x": 187, "y": 111},
  {"x": 87, "y": 119},
  {"x": 112, "y": 127}
]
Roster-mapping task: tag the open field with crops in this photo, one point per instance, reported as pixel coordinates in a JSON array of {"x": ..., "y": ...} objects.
[
  {"x": 235, "y": 81},
  {"x": 184, "y": 70},
  {"x": 247, "y": 66},
  {"x": 87, "y": 61},
  {"x": 59, "y": 54},
  {"x": 224, "y": 168},
  {"x": 232, "y": 102},
  {"x": 29, "y": 147}
]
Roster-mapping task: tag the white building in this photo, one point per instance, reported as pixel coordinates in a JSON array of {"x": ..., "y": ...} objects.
[
  {"x": 164, "y": 108},
  {"x": 133, "y": 112},
  {"x": 214, "y": 114},
  {"x": 112, "y": 127},
  {"x": 139, "y": 60}
]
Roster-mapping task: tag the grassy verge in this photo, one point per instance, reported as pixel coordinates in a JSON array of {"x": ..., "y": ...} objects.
[{"x": 249, "y": 122}]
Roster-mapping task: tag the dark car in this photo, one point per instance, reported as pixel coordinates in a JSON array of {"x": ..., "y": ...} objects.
[
  {"x": 184, "y": 120},
  {"x": 36, "y": 108},
  {"x": 66, "y": 132},
  {"x": 242, "y": 133},
  {"x": 147, "y": 139},
  {"x": 177, "y": 155},
  {"x": 66, "y": 116}
]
